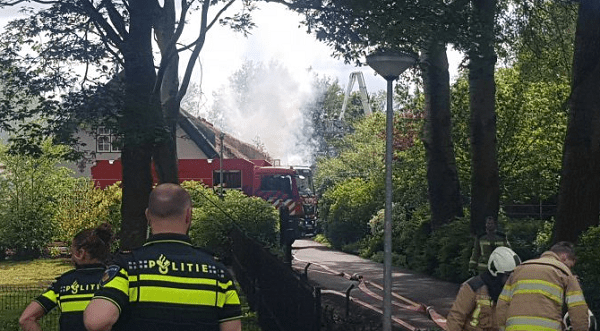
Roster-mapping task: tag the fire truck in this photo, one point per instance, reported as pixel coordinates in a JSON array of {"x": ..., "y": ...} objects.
[{"x": 289, "y": 189}]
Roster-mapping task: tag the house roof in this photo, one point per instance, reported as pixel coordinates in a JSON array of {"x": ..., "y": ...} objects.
[{"x": 204, "y": 135}]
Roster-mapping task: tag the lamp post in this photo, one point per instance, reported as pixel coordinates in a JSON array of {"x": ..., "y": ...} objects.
[
  {"x": 221, "y": 136},
  {"x": 389, "y": 66}
]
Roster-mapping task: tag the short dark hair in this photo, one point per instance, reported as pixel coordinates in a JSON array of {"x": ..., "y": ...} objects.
[
  {"x": 564, "y": 247},
  {"x": 167, "y": 200}
]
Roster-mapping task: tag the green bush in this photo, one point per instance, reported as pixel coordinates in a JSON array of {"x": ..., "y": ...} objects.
[
  {"x": 588, "y": 267},
  {"x": 529, "y": 238},
  {"x": 27, "y": 230},
  {"x": 29, "y": 189},
  {"x": 452, "y": 245},
  {"x": 213, "y": 218},
  {"x": 351, "y": 206},
  {"x": 85, "y": 206}
]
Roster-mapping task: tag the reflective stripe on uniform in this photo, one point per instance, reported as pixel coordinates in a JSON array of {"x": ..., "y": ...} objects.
[
  {"x": 574, "y": 299},
  {"x": 545, "y": 288},
  {"x": 182, "y": 290},
  {"x": 120, "y": 282},
  {"x": 531, "y": 323},
  {"x": 51, "y": 295},
  {"x": 75, "y": 303}
]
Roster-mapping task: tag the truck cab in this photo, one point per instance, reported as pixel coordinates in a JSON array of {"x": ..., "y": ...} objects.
[{"x": 291, "y": 191}]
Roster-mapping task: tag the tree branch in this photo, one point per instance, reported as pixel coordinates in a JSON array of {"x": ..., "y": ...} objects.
[
  {"x": 218, "y": 14},
  {"x": 115, "y": 18},
  {"x": 198, "y": 47},
  {"x": 101, "y": 22}
]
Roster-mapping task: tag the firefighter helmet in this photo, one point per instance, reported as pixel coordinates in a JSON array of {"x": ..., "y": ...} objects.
[
  {"x": 503, "y": 260},
  {"x": 592, "y": 324}
]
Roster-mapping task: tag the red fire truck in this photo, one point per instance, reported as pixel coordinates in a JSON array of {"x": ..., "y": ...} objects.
[{"x": 289, "y": 189}]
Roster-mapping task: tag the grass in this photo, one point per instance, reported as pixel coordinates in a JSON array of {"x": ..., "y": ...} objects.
[
  {"x": 36, "y": 272},
  {"x": 32, "y": 278}
]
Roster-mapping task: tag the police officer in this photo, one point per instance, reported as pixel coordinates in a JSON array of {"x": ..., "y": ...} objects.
[
  {"x": 474, "y": 307},
  {"x": 484, "y": 245},
  {"x": 167, "y": 284},
  {"x": 534, "y": 295},
  {"x": 73, "y": 290}
]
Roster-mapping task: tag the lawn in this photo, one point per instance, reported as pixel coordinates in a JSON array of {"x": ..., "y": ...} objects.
[
  {"x": 36, "y": 272},
  {"x": 20, "y": 282}
]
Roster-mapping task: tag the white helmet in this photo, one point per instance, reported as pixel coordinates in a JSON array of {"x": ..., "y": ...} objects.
[
  {"x": 503, "y": 260},
  {"x": 592, "y": 324}
]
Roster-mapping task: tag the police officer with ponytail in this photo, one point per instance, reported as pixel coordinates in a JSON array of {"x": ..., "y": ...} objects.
[
  {"x": 73, "y": 290},
  {"x": 167, "y": 284}
]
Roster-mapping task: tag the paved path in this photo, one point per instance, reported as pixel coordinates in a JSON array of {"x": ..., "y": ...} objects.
[{"x": 335, "y": 272}]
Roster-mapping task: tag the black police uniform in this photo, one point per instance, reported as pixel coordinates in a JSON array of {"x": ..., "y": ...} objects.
[
  {"x": 168, "y": 284},
  {"x": 71, "y": 292}
]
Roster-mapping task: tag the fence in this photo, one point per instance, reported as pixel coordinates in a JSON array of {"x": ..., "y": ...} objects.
[
  {"x": 284, "y": 301},
  {"x": 13, "y": 299},
  {"x": 540, "y": 211}
]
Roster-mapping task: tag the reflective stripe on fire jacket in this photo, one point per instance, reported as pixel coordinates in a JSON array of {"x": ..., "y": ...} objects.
[
  {"x": 533, "y": 297},
  {"x": 473, "y": 308},
  {"x": 483, "y": 247}
]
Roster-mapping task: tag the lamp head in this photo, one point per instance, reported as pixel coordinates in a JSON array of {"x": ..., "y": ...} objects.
[{"x": 390, "y": 64}]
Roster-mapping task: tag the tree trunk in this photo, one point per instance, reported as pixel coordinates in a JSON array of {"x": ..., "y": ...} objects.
[
  {"x": 138, "y": 123},
  {"x": 485, "y": 189},
  {"x": 442, "y": 176},
  {"x": 579, "y": 193},
  {"x": 165, "y": 152}
]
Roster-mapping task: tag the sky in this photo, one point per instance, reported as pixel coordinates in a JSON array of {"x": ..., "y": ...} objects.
[{"x": 278, "y": 37}]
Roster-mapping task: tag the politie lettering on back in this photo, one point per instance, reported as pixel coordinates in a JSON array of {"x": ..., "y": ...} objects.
[
  {"x": 75, "y": 288},
  {"x": 165, "y": 266}
]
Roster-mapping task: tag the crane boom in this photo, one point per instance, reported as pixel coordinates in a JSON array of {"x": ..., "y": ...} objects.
[{"x": 356, "y": 76}]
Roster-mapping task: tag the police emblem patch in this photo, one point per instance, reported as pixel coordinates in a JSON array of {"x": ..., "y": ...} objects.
[{"x": 109, "y": 274}]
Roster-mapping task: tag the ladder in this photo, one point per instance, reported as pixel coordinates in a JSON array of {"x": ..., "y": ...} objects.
[{"x": 356, "y": 76}]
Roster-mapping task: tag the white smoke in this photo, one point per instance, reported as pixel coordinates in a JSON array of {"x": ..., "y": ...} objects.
[{"x": 269, "y": 102}]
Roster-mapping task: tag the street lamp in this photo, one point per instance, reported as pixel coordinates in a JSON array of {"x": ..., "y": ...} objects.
[
  {"x": 221, "y": 136},
  {"x": 389, "y": 65}
]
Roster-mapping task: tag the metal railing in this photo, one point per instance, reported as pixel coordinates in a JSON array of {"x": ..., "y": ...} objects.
[
  {"x": 13, "y": 299},
  {"x": 283, "y": 299}
]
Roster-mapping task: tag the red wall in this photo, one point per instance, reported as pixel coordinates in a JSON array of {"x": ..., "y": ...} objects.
[{"x": 104, "y": 173}]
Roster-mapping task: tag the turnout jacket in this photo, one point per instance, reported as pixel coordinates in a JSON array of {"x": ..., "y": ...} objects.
[
  {"x": 71, "y": 292},
  {"x": 473, "y": 308},
  {"x": 168, "y": 284},
  {"x": 533, "y": 297},
  {"x": 483, "y": 247}
]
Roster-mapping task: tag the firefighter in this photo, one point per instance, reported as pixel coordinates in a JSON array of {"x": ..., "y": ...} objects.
[
  {"x": 73, "y": 290},
  {"x": 167, "y": 284},
  {"x": 484, "y": 245},
  {"x": 474, "y": 307},
  {"x": 534, "y": 295}
]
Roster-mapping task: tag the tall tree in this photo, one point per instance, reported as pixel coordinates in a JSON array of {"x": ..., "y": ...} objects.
[
  {"x": 356, "y": 27},
  {"x": 441, "y": 166},
  {"x": 124, "y": 30},
  {"x": 579, "y": 195},
  {"x": 482, "y": 59}
]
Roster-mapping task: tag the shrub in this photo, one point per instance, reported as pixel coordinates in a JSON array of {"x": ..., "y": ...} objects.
[
  {"x": 213, "y": 218},
  {"x": 351, "y": 206},
  {"x": 452, "y": 245},
  {"x": 85, "y": 206},
  {"x": 29, "y": 189},
  {"x": 27, "y": 230},
  {"x": 529, "y": 238},
  {"x": 588, "y": 267}
]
